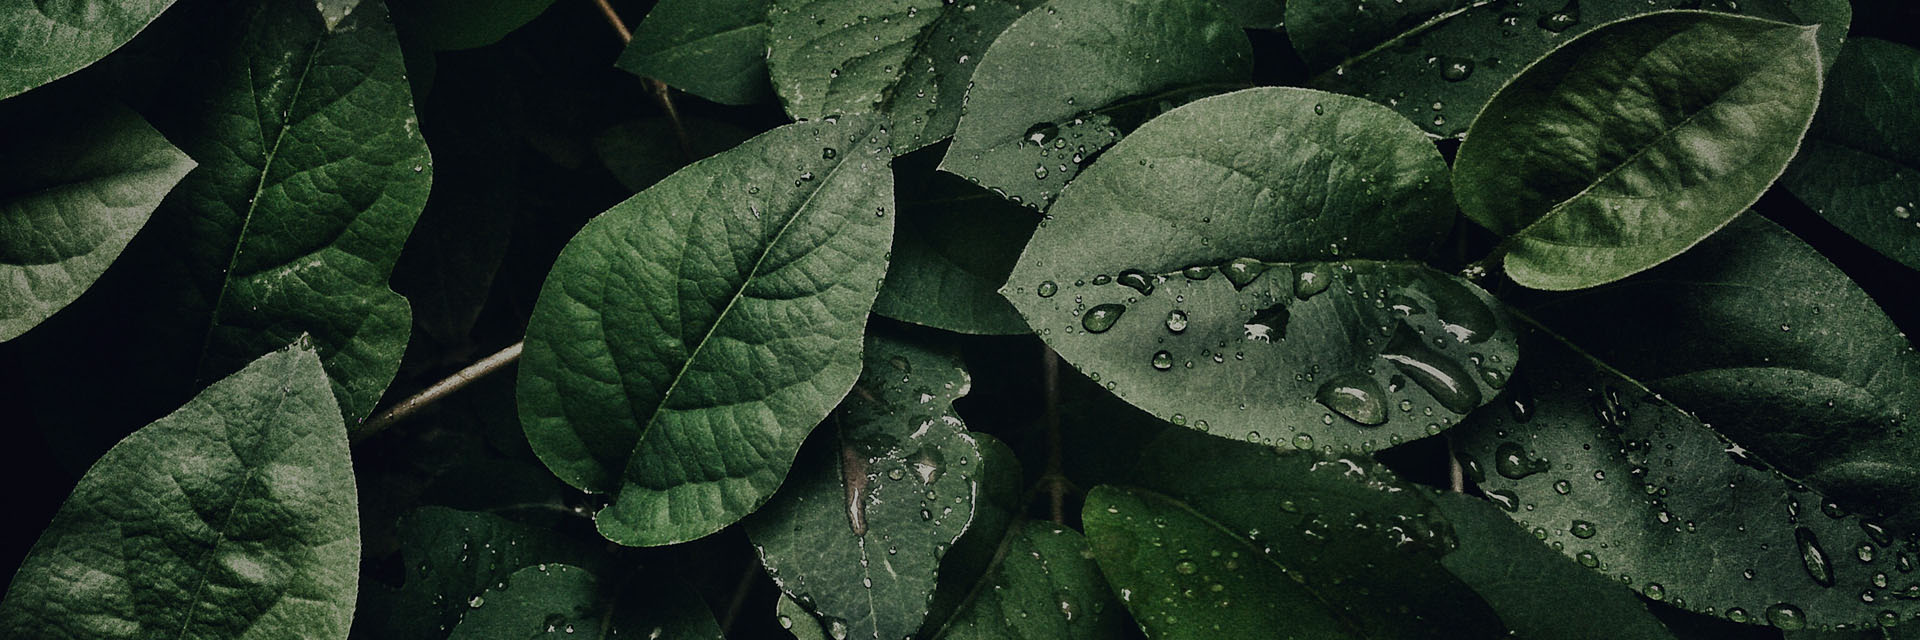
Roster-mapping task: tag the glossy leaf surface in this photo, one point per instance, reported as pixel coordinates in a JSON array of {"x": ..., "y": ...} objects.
[
  {"x": 1859, "y": 166},
  {"x": 1062, "y": 84},
  {"x": 233, "y": 517},
  {"x": 1277, "y": 304},
  {"x": 1625, "y": 147},
  {"x": 689, "y": 339}
]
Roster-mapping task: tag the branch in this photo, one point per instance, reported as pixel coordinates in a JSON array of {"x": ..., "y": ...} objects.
[
  {"x": 661, "y": 93},
  {"x": 460, "y": 379},
  {"x": 1055, "y": 480}
]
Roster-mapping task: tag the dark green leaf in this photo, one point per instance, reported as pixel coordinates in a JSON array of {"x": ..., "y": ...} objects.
[
  {"x": 444, "y": 25},
  {"x": 454, "y": 557},
  {"x": 795, "y": 619},
  {"x": 1629, "y": 485},
  {"x": 690, "y": 338},
  {"x": 952, "y": 247},
  {"x": 1859, "y": 166},
  {"x": 1628, "y": 145},
  {"x": 45, "y": 40},
  {"x": 1438, "y": 61},
  {"x": 77, "y": 184},
  {"x": 1040, "y": 586},
  {"x": 997, "y": 505},
  {"x": 642, "y": 152},
  {"x": 232, "y": 517},
  {"x": 1257, "y": 14},
  {"x": 1539, "y": 594},
  {"x": 1276, "y": 303},
  {"x": 1062, "y": 84},
  {"x": 1761, "y": 337},
  {"x": 557, "y": 600},
  {"x": 715, "y": 49},
  {"x": 857, "y": 533}
]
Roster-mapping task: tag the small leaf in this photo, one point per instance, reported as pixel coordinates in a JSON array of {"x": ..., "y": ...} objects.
[
  {"x": 79, "y": 184},
  {"x": 445, "y": 25},
  {"x": 1277, "y": 304},
  {"x": 859, "y": 529},
  {"x": 1859, "y": 166},
  {"x": 1062, "y": 84},
  {"x": 689, "y": 339},
  {"x": 557, "y": 600},
  {"x": 1438, "y": 61},
  {"x": 1590, "y": 183},
  {"x": 1631, "y": 486},
  {"x": 233, "y": 516},
  {"x": 715, "y": 49},
  {"x": 44, "y": 41},
  {"x": 451, "y": 557},
  {"x": 795, "y": 619},
  {"x": 953, "y": 246}
]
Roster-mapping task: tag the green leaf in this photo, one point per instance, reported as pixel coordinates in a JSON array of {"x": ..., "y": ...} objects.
[
  {"x": 1276, "y": 302},
  {"x": 689, "y": 339},
  {"x": 444, "y": 25},
  {"x": 952, "y": 247},
  {"x": 1629, "y": 485},
  {"x": 795, "y": 619},
  {"x": 556, "y": 600},
  {"x": 715, "y": 49},
  {"x": 45, "y": 40},
  {"x": 1538, "y": 593},
  {"x": 1859, "y": 166},
  {"x": 1438, "y": 61},
  {"x": 1040, "y": 586},
  {"x": 1590, "y": 183},
  {"x": 452, "y": 557},
  {"x": 856, "y": 535},
  {"x": 232, "y": 517},
  {"x": 1777, "y": 349},
  {"x": 644, "y": 151},
  {"x": 1062, "y": 84},
  {"x": 78, "y": 184},
  {"x": 909, "y": 59},
  {"x": 997, "y": 505}
]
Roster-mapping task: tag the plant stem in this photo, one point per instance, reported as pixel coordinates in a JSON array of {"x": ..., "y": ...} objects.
[
  {"x": 1054, "y": 479},
  {"x": 740, "y": 592},
  {"x": 460, "y": 379},
  {"x": 661, "y": 93}
]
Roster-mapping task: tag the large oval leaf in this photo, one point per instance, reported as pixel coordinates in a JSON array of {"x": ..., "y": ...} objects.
[
  {"x": 232, "y": 517},
  {"x": 715, "y": 49},
  {"x": 1438, "y": 61},
  {"x": 1860, "y": 165},
  {"x": 1760, "y": 336},
  {"x": 79, "y": 184},
  {"x": 857, "y": 534},
  {"x": 1626, "y": 146},
  {"x": 1259, "y": 286},
  {"x": 1062, "y": 84},
  {"x": 1629, "y": 485},
  {"x": 44, "y": 41},
  {"x": 688, "y": 339}
]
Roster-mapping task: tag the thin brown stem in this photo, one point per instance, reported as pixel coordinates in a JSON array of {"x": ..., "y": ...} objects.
[
  {"x": 459, "y": 380},
  {"x": 661, "y": 93},
  {"x": 740, "y": 593},
  {"x": 1055, "y": 480}
]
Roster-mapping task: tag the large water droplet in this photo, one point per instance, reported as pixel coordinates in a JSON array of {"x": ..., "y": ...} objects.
[
  {"x": 1787, "y": 617},
  {"x": 1511, "y": 460},
  {"x": 1813, "y": 558},
  {"x": 1176, "y": 321},
  {"x": 1242, "y": 271},
  {"x": 1101, "y": 318},
  {"x": 1462, "y": 314},
  {"x": 1356, "y": 396},
  {"x": 1309, "y": 280},
  {"x": 1442, "y": 378},
  {"x": 1455, "y": 69},
  {"x": 1163, "y": 361},
  {"x": 1137, "y": 281},
  {"x": 1047, "y": 289},
  {"x": 1582, "y": 529}
]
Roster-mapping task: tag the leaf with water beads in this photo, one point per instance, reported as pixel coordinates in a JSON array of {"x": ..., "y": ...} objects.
[
  {"x": 857, "y": 533},
  {"x": 558, "y": 600},
  {"x": 451, "y": 557},
  {"x": 1645, "y": 493},
  {"x": 1319, "y": 329}
]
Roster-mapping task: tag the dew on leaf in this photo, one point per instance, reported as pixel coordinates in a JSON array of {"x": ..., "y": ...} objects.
[
  {"x": 1242, "y": 271},
  {"x": 1356, "y": 396},
  {"x": 1101, "y": 318}
]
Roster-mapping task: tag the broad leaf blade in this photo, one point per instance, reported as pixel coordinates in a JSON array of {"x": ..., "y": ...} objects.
[
  {"x": 1438, "y": 61},
  {"x": 1062, "y": 84},
  {"x": 44, "y": 41},
  {"x": 952, "y": 248},
  {"x": 1041, "y": 586},
  {"x": 715, "y": 49},
  {"x": 1591, "y": 183},
  {"x": 858, "y": 532},
  {"x": 234, "y": 515},
  {"x": 558, "y": 600},
  {"x": 1859, "y": 166},
  {"x": 690, "y": 338},
  {"x": 1277, "y": 304},
  {"x": 452, "y": 557},
  {"x": 79, "y": 183}
]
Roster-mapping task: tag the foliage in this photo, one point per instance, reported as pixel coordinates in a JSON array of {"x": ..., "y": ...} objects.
[{"x": 961, "y": 319}]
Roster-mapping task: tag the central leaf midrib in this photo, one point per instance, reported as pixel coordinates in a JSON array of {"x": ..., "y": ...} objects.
[{"x": 739, "y": 292}]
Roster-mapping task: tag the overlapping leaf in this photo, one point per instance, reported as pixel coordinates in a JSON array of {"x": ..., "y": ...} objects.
[
  {"x": 233, "y": 516},
  {"x": 1062, "y": 84},
  {"x": 690, "y": 338},
  {"x": 1859, "y": 166},
  {"x": 550, "y": 600},
  {"x": 1628, "y": 145},
  {"x": 715, "y": 49},
  {"x": 953, "y": 246},
  {"x": 44, "y": 41},
  {"x": 1438, "y": 61},
  {"x": 453, "y": 558},
  {"x": 1276, "y": 302}
]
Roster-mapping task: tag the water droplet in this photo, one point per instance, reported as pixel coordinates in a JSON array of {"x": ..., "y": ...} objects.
[
  {"x": 476, "y": 601},
  {"x": 828, "y": 153},
  {"x": 1512, "y": 461},
  {"x": 1563, "y": 19},
  {"x": 1309, "y": 281},
  {"x": 1455, "y": 69},
  {"x": 1864, "y": 553},
  {"x": 1582, "y": 529},
  {"x": 1047, "y": 289},
  {"x": 1101, "y": 318},
  {"x": 1787, "y": 617},
  {"x": 1163, "y": 361},
  {"x": 1356, "y": 396},
  {"x": 1739, "y": 615},
  {"x": 1876, "y": 532},
  {"x": 1813, "y": 558},
  {"x": 1242, "y": 271},
  {"x": 1655, "y": 592},
  {"x": 1303, "y": 442},
  {"x": 1902, "y": 212},
  {"x": 1505, "y": 499},
  {"x": 1176, "y": 321},
  {"x": 1587, "y": 559},
  {"x": 1186, "y": 567},
  {"x": 1562, "y": 487},
  {"x": 1040, "y": 172},
  {"x": 1137, "y": 281},
  {"x": 1441, "y": 377}
]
